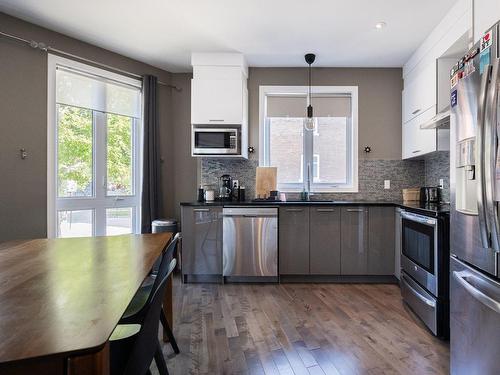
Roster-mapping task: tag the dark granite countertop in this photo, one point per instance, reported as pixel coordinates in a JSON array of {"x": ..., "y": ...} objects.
[{"x": 424, "y": 208}]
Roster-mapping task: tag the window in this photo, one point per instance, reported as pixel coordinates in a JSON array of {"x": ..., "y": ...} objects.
[
  {"x": 326, "y": 156},
  {"x": 94, "y": 147}
]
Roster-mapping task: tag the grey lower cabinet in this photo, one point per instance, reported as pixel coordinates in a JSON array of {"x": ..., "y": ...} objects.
[
  {"x": 324, "y": 242},
  {"x": 381, "y": 240},
  {"x": 354, "y": 241},
  {"x": 293, "y": 240},
  {"x": 201, "y": 242}
]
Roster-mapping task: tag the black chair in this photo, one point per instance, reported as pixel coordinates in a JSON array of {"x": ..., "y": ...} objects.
[
  {"x": 134, "y": 314},
  {"x": 134, "y": 346}
]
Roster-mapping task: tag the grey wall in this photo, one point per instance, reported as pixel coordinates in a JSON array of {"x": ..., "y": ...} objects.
[
  {"x": 379, "y": 102},
  {"x": 23, "y": 123},
  {"x": 186, "y": 167}
]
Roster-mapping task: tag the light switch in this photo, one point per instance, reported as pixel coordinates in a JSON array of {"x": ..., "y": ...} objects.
[{"x": 387, "y": 184}]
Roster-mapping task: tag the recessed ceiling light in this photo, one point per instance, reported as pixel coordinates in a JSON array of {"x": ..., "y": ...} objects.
[{"x": 380, "y": 25}]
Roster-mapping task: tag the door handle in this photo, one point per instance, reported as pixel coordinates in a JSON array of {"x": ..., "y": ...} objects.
[
  {"x": 325, "y": 210},
  {"x": 482, "y": 297},
  {"x": 216, "y": 120},
  {"x": 490, "y": 158},
  {"x": 483, "y": 218},
  {"x": 415, "y": 111},
  {"x": 414, "y": 152},
  {"x": 294, "y": 210},
  {"x": 201, "y": 210},
  {"x": 355, "y": 210}
]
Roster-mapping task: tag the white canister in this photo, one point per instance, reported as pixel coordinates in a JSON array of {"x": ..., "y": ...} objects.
[{"x": 209, "y": 195}]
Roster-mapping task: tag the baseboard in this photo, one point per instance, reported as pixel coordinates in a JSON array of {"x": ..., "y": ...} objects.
[{"x": 365, "y": 279}]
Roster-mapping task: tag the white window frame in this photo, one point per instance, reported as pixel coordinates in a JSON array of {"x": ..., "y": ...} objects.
[
  {"x": 318, "y": 187},
  {"x": 99, "y": 135}
]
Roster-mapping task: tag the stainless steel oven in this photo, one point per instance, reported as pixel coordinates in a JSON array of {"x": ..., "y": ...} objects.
[
  {"x": 425, "y": 269},
  {"x": 419, "y": 236},
  {"x": 210, "y": 140}
]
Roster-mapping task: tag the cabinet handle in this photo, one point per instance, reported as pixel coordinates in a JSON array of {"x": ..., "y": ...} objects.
[
  {"x": 414, "y": 152},
  {"x": 216, "y": 120},
  {"x": 325, "y": 210},
  {"x": 355, "y": 210},
  {"x": 294, "y": 210},
  {"x": 201, "y": 210},
  {"x": 415, "y": 111}
]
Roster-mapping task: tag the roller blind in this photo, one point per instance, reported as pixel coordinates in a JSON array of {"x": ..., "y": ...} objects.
[
  {"x": 324, "y": 105},
  {"x": 331, "y": 106},
  {"x": 96, "y": 93},
  {"x": 286, "y": 106}
]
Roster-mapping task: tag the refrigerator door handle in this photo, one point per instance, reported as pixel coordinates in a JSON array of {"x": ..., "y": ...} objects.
[
  {"x": 462, "y": 276},
  {"x": 490, "y": 157},
  {"x": 483, "y": 222}
]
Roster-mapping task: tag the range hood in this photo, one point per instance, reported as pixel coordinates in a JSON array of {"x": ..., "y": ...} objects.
[{"x": 440, "y": 121}]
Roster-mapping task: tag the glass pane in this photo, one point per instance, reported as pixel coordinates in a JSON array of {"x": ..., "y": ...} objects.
[
  {"x": 119, "y": 155},
  {"x": 286, "y": 148},
  {"x": 118, "y": 221},
  {"x": 74, "y": 152},
  {"x": 330, "y": 149},
  {"x": 75, "y": 223}
]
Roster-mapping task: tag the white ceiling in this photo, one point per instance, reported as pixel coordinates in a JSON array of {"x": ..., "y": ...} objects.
[{"x": 163, "y": 33}]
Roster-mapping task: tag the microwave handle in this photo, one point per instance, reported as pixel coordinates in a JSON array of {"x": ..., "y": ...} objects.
[
  {"x": 483, "y": 222},
  {"x": 490, "y": 154}
]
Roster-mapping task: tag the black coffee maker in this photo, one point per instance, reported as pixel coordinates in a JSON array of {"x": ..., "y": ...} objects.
[{"x": 225, "y": 187}]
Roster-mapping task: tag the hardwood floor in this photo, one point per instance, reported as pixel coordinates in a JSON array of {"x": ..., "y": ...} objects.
[{"x": 300, "y": 329}]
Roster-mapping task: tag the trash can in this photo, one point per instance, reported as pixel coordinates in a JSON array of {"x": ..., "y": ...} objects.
[
  {"x": 164, "y": 225},
  {"x": 159, "y": 226}
]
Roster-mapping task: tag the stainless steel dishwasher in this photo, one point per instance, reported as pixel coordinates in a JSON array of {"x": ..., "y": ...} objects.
[{"x": 250, "y": 244}]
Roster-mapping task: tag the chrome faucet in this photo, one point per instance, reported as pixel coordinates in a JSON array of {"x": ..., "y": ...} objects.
[{"x": 308, "y": 185}]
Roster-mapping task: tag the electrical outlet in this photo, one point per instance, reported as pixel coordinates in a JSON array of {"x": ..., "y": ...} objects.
[
  {"x": 441, "y": 183},
  {"x": 236, "y": 184},
  {"x": 387, "y": 184}
]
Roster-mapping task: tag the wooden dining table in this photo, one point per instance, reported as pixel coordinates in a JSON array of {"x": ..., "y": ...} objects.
[{"x": 60, "y": 299}]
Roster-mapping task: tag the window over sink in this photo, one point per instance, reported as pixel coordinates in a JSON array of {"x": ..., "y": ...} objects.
[{"x": 327, "y": 155}]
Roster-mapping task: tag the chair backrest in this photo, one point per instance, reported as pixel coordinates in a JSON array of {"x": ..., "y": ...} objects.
[
  {"x": 167, "y": 256},
  {"x": 146, "y": 342}
]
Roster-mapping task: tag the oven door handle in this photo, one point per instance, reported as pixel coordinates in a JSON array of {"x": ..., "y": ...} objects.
[
  {"x": 482, "y": 297},
  {"x": 418, "y": 218},
  {"x": 415, "y": 292}
]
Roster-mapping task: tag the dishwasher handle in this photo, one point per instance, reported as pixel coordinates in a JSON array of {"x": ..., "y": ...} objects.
[{"x": 250, "y": 212}]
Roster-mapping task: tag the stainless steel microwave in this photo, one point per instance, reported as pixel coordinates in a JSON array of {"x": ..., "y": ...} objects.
[{"x": 211, "y": 140}]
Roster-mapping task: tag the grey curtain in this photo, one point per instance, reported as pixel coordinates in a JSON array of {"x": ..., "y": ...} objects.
[{"x": 151, "y": 158}]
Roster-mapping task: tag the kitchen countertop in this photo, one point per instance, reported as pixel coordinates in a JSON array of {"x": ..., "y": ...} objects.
[{"x": 431, "y": 209}]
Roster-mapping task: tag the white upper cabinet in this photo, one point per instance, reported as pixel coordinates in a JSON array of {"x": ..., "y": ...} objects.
[
  {"x": 216, "y": 101},
  {"x": 416, "y": 141},
  {"x": 419, "y": 93},
  {"x": 219, "y": 89},
  {"x": 486, "y": 13}
]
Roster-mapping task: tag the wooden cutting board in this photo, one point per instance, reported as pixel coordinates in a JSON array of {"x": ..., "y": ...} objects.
[{"x": 265, "y": 181}]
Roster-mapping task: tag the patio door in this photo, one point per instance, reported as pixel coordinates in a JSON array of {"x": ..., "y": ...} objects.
[{"x": 94, "y": 151}]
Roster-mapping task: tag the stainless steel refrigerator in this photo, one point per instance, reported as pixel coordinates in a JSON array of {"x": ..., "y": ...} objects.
[{"x": 475, "y": 221}]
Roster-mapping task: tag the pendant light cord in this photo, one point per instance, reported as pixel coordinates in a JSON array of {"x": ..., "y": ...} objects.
[{"x": 310, "y": 97}]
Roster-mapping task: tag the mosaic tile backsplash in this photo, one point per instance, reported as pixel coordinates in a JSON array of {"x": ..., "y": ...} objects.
[
  {"x": 437, "y": 166},
  {"x": 372, "y": 173}
]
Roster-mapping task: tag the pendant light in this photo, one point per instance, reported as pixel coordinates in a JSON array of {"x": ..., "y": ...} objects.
[{"x": 309, "y": 120}]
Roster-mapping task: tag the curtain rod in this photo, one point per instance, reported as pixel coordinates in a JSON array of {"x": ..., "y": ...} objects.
[{"x": 46, "y": 48}]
